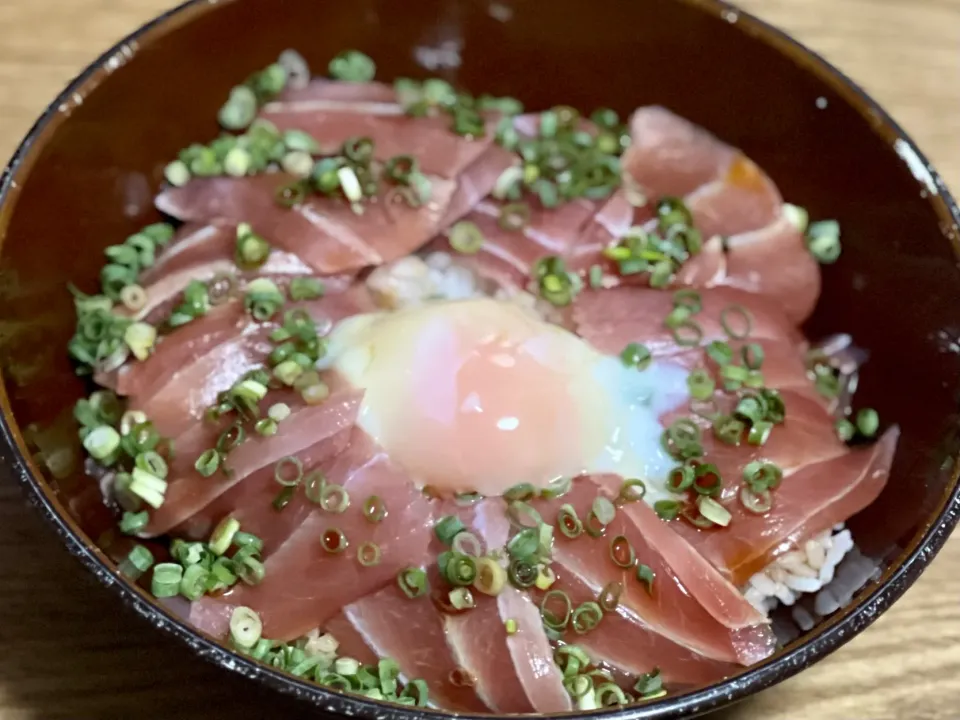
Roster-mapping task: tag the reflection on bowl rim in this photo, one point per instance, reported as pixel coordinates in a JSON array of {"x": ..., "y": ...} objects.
[{"x": 831, "y": 634}]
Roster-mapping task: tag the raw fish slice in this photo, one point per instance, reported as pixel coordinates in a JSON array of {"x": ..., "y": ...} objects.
[
  {"x": 742, "y": 200},
  {"x": 251, "y": 502},
  {"x": 182, "y": 347},
  {"x": 611, "y": 319},
  {"x": 481, "y": 649},
  {"x": 305, "y": 429},
  {"x": 411, "y": 631},
  {"x": 350, "y": 643},
  {"x": 690, "y": 603},
  {"x": 325, "y": 233},
  {"x": 775, "y": 262},
  {"x": 812, "y": 499},
  {"x": 477, "y": 180},
  {"x": 324, "y": 582},
  {"x": 202, "y": 248},
  {"x": 208, "y": 355},
  {"x": 669, "y": 155},
  {"x": 725, "y": 190},
  {"x": 625, "y": 642},
  {"x": 530, "y": 667},
  {"x": 708, "y": 268}
]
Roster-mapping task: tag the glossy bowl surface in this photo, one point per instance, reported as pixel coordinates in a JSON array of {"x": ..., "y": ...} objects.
[{"x": 85, "y": 177}]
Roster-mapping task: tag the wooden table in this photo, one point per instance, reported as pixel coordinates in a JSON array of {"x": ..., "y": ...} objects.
[{"x": 67, "y": 648}]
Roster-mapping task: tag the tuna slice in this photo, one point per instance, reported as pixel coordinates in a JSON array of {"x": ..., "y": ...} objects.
[
  {"x": 332, "y": 113},
  {"x": 611, "y": 319},
  {"x": 811, "y": 499},
  {"x": 515, "y": 673},
  {"x": 197, "y": 361},
  {"x": 325, "y": 233},
  {"x": 304, "y": 432},
  {"x": 327, "y": 582},
  {"x": 411, "y": 631},
  {"x": 690, "y": 605},
  {"x": 729, "y": 196}
]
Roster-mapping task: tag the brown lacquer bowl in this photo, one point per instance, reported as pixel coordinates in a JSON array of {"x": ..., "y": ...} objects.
[{"x": 86, "y": 175}]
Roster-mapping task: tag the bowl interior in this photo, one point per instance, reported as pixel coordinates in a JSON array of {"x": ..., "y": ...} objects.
[{"x": 88, "y": 179}]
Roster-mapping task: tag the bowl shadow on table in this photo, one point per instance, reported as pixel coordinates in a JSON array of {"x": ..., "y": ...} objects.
[{"x": 72, "y": 651}]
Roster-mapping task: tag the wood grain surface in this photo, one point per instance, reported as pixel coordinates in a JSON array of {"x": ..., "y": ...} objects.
[{"x": 67, "y": 648}]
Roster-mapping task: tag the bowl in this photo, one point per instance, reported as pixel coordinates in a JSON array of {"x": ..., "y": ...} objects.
[{"x": 86, "y": 174}]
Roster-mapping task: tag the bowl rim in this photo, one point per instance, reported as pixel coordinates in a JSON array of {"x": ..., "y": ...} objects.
[{"x": 833, "y": 633}]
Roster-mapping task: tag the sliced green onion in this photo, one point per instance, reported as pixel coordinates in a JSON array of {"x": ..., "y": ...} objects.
[
  {"x": 646, "y": 575},
  {"x": 610, "y": 695},
  {"x": 514, "y": 216},
  {"x": 524, "y": 515},
  {"x": 595, "y": 277},
  {"x": 334, "y": 541},
  {"x": 650, "y": 685},
  {"x": 246, "y": 627},
  {"x": 248, "y": 540},
  {"x": 676, "y": 317},
  {"x": 682, "y": 439},
  {"x": 632, "y": 490},
  {"x": 636, "y": 355},
  {"x": 756, "y": 502},
  {"x": 776, "y": 410},
  {"x": 546, "y": 578},
  {"x": 713, "y": 511},
  {"x": 352, "y": 66},
  {"x": 522, "y": 574},
  {"x": 461, "y": 599},
  {"x": 194, "y": 582},
  {"x": 102, "y": 442},
  {"x": 368, "y": 554},
  {"x": 569, "y": 522},
  {"x": 680, "y": 479},
  {"x": 266, "y": 427},
  {"x": 707, "y": 479},
  {"x": 604, "y": 510},
  {"x": 466, "y": 238},
  {"x": 760, "y": 475},
  {"x": 736, "y": 321},
  {"x": 305, "y": 288},
  {"x": 283, "y": 498},
  {"x": 447, "y": 529},
  {"x": 586, "y": 617},
  {"x": 331, "y": 497},
  {"x": 466, "y": 543},
  {"x": 523, "y": 491},
  {"x": 491, "y": 577},
  {"x": 622, "y": 552},
  {"x": 510, "y": 626},
  {"x": 720, "y": 352},
  {"x": 845, "y": 430},
  {"x": 826, "y": 381},
  {"x": 137, "y": 562},
  {"x": 868, "y": 422},
  {"x": 231, "y": 438},
  {"x": 667, "y": 509},
  {"x": 556, "y": 609},
  {"x": 132, "y": 523},
  {"x": 753, "y": 355},
  {"x": 728, "y": 429},
  {"x": 557, "y": 488},
  {"x": 524, "y": 544},
  {"x": 148, "y": 487},
  {"x": 413, "y": 582},
  {"x": 687, "y": 333},
  {"x": 222, "y": 535},
  {"x": 689, "y": 299},
  {"x": 751, "y": 407},
  {"x": 460, "y": 570},
  {"x": 166, "y": 580},
  {"x": 760, "y": 433},
  {"x": 700, "y": 384},
  {"x": 823, "y": 241},
  {"x": 288, "y": 471},
  {"x": 374, "y": 509},
  {"x": 571, "y": 659}
]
